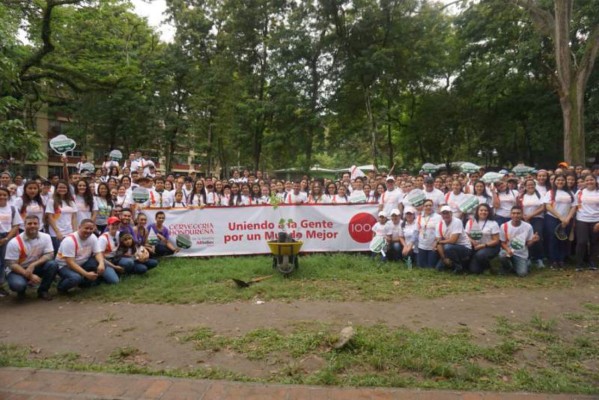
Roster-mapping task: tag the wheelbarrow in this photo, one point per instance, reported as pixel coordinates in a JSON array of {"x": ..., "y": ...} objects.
[{"x": 285, "y": 255}]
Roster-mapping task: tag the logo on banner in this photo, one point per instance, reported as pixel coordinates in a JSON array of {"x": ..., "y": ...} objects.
[{"x": 360, "y": 227}]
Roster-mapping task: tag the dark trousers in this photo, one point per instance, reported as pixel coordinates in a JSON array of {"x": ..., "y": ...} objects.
[{"x": 586, "y": 242}]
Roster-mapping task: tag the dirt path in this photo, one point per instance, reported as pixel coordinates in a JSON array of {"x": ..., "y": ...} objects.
[{"x": 94, "y": 330}]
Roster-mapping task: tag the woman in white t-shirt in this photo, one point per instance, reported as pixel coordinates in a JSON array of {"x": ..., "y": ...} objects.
[
  {"x": 483, "y": 233},
  {"x": 533, "y": 210},
  {"x": 61, "y": 213},
  {"x": 31, "y": 203},
  {"x": 561, "y": 208},
  {"x": 9, "y": 228},
  {"x": 408, "y": 235},
  {"x": 504, "y": 199},
  {"x": 587, "y": 217},
  {"x": 427, "y": 222},
  {"x": 85, "y": 202},
  {"x": 454, "y": 198}
]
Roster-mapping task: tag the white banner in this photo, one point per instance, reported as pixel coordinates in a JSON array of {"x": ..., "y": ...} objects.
[{"x": 217, "y": 231}]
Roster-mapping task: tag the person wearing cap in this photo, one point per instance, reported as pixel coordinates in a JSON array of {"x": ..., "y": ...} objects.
[
  {"x": 109, "y": 244},
  {"x": 30, "y": 260},
  {"x": 382, "y": 229},
  {"x": 391, "y": 198},
  {"x": 81, "y": 261},
  {"x": 433, "y": 194},
  {"x": 452, "y": 243},
  {"x": 393, "y": 237},
  {"x": 408, "y": 236},
  {"x": 504, "y": 199},
  {"x": 483, "y": 233},
  {"x": 427, "y": 221},
  {"x": 516, "y": 237}
]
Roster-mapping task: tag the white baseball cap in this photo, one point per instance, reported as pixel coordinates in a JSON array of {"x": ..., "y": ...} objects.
[
  {"x": 409, "y": 209},
  {"x": 382, "y": 214},
  {"x": 395, "y": 211},
  {"x": 446, "y": 208}
]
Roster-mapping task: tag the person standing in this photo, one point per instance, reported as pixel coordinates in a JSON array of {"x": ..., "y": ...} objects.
[{"x": 587, "y": 240}]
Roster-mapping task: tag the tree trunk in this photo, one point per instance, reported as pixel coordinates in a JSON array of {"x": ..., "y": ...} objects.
[
  {"x": 371, "y": 124},
  {"x": 389, "y": 135},
  {"x": 573, "y": 115}
]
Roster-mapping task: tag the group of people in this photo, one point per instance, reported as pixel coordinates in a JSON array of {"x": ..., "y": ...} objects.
[{"x": 90, "y": 226}]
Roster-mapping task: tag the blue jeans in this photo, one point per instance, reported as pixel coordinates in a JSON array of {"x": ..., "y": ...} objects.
[
  {"x": 394, "y": 251},
  {"x": 458, "y": 254},
  {"x": 162, "y": 250},
  {"x": 536, "y": 250},
  {"x": 71, "y": 279},
  {"x": 132, "y": 267},
  {"x": 481, "y": 259},
  {"x": 2, "y": 254},
  {"x": 55, "y": 244},
  {"x": 18, "y": 283},
  {"x": 427, "y": 258},
  {"x": 557, "y": 249},
  {"x": 514, "y": 263}
]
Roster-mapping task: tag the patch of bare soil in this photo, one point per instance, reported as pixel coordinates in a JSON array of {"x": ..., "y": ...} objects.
[{"x": 152, "y": 332}]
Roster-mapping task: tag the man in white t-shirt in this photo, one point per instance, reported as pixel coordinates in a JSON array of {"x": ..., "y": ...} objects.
[
  {"x": 296, "y": 196},
  {"x": 391, "y": 198},
  {"x": 160, "y": 198},
  {"x": 30, "y": 260},
  {"x": 453, "y": 245},
  {"x": 431, "y": 193},
  {"x": 80, "y": 259},
  {"x": 516, "y": 237}
]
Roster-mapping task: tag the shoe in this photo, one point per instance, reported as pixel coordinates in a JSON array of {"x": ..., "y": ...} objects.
[
  {"x": 540, "y": 264},
  {"x": 579, "y": 268},
  {"x": 3, "y": 292},
  {"x": 592, "y": 267},
  {"x": 44, "y": 296}
]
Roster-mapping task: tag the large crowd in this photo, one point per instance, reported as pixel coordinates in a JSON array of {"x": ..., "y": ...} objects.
[{"x": 90, "y": 227}]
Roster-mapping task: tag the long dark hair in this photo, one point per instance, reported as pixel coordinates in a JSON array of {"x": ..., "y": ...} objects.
[
  {"x": 201, "y": 192},
  {"x": 485, "y": 194},
  {"x": 491, "y": 216},
  {"x": 566, "y": 189},
  {"x": 88, "y": 196},
  {"x": 68, "y": 197},
  {"x": 108, "y": 196},
  {"x": 28, "y": 200}
]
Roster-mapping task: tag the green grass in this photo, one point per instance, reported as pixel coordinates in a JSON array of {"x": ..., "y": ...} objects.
[
  {"x": 337, "y": 277},
  {"x": 383, "y": 356}
]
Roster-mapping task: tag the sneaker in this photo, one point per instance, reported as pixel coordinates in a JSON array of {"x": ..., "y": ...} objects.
[
  {"x": 3, "y": 292},
  {"x": 593, "y": 266},
  {"x": 44, "y": 296},
  {"x": 540, "y": 264},
  {"x": 579, "y": 268}
]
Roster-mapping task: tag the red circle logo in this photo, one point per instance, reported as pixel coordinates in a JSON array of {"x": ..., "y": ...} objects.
[{"x": 360, "y": 227}]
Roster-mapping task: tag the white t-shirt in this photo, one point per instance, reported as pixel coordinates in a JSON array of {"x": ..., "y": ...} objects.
[
  {"x": 516, "y": 236},
  {"x": 588, "y": 205},
  {"x": 562, "y": 201},
  {"x": 65, "y": 213},
  {"x": 396, "y": 230},
  {"x": 337, "y": 199},
  {"x": 108, "y": 244},
  {"x": 357, "y": 196},
  {"x": 34, "y": 249},
  {"x": 390, "y": 199},
  {"x": 81, "y": 250},
  {"x": 507, "y": 199},
  {"x": 292, "y": 198},
  {"x": 409, "y": 232},
  {"x": 83, "y": 211},
  {"x": 444, "y": 231},
  {"x": 382, "y": 229},
  {"x": 436, "y": 196},
  {"x": 33, "y": 208},
  {"x": 453, "y": 200},
  {"x": 7, "y": 220},
  {"x": 159, "y": 200},
  {"x": 530, "y": 202},
  {"x": 481, "y": 231},
  {"x": 426, "y": 230},
  {"x": 541, "y": 189}
]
